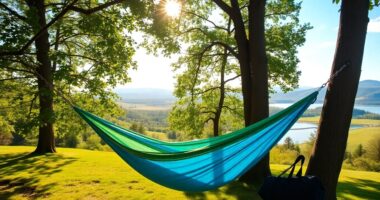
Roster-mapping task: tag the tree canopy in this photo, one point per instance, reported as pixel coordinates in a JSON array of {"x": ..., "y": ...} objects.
[{"x": 80, "y": 47}]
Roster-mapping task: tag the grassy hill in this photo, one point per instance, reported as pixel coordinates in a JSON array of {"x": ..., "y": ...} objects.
[
  {"x": 84, "y": 174},
  {"x": 362, "y": 136},
  {"x": 358, "y": 136}
]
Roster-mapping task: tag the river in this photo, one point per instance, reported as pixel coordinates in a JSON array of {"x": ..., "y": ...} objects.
[
  {"x": 368, "y": 108},
  {"x": 300, "y": 132}
]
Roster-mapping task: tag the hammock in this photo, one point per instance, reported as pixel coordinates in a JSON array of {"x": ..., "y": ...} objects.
[{"x": 198, "y": 165}]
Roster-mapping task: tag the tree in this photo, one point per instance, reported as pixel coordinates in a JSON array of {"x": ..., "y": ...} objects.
[
  {"x": 86, "y": 46},
  {"x": 289, "y": 144},
  {"x": 134, "y": 127},
  {"x": 141, "y": 129},
  {"x": 359, "y": 151},
  {"x": 246, "y": 45},
  {"x": 329, "y": 148},
  {"x": 373, "y": 149},
  {"x": 202, "y": 89}
]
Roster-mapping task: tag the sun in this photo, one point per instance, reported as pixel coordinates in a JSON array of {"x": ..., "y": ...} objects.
[{"x": 172, "y": 8}]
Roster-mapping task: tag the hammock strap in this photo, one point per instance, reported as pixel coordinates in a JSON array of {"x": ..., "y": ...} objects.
[{"x": 344, "y": 66}]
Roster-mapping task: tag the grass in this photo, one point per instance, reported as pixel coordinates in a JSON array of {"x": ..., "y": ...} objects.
[
  {"x": 369, "y": 131},
  {"x": 363, "y": 122},
  {"x": 84, "y": 174},
  {"x": 362, "y": 136}
]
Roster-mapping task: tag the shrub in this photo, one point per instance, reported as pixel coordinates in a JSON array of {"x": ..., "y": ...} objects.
[
  {"x": 366, "y": 164},
  {"x": 373, "y": 149},
  {"x": 279, "y": 155}
]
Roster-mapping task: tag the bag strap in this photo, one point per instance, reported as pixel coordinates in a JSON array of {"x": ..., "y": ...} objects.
[{"x": 293, "y": 166}]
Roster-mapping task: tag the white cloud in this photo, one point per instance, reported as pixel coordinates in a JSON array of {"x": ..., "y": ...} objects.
[{"x": 374, "y": 25}]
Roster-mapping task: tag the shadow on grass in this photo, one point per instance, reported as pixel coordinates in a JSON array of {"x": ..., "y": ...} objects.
[
  {"x": 363, "y": 189},
  {"x": 21, "y": 173},
  {"x": 237, "y": 189}
]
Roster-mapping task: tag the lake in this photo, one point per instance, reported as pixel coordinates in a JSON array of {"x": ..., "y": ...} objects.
[
  {"x": 368, "y": 108},
  {"x": 305, "y": 129},
  {"x": 300, "y": 132}
]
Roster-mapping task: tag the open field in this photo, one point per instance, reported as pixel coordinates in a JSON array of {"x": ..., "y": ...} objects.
[
  {"x": 362, "y": 136},
  {"x": 84, "y": 174},
  {"x": 363, "y": 122},
  {"x": 137, "y": 106},
  {"x": 369, "y": 131}
]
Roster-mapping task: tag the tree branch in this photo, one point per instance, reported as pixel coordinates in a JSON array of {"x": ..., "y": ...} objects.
[
  {"x": 233, "y": 110},
  {"x": 206, "y": 19},
  {"x": 222, "y": 5},
  {"x": 207, "y": 112},
  {"x": 193, "y": 29},
  {"x": 16, "y": 78},
  {"x": 31, "y": 104},
  {"x": 95, "y": 9},
  {"x": 56, "y": 18},
  {"x": 231, "y": 79},
  {"x": 208, "y": 119},
  {"x": 21, "y": 51},
  {"x": 14, "y": 13},
  {"x": 207, "y": 90},
  {"x": 228, "y": 47}
]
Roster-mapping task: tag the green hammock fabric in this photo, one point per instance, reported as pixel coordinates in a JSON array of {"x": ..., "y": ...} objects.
[{"x": 201, "y": 164}]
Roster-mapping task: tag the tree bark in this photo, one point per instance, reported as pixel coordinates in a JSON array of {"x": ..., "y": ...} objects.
[
  {"x": 329, "y": 148},
  {"x": 258, "y": 107},
  {"x": 46, "y": 143}
]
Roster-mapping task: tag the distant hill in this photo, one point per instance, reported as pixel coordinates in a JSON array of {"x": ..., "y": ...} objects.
[
  {"x": 368, "y": 94},
  {"x": 147, "y": 96}
]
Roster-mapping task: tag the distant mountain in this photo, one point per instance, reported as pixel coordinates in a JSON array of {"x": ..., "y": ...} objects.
[
  {"x": 368, "y": 94},
  {"x": 149, "y": 96}
]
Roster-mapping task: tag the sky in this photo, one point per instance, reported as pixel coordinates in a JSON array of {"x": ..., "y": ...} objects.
[{"x": 315, "y": 56}]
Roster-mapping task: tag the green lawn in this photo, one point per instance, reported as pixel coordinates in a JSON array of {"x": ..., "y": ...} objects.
[
  {"x": 363, "y": 122},
  {"x": 84, "y": 174}
]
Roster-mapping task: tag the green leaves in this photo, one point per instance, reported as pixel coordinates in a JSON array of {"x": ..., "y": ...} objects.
[
  {"x": 372, "y": 3},
  {"x": 90, "y": 53}
]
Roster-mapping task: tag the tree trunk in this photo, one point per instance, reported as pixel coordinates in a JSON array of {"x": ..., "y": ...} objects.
[
  {"x": 329, "y": 148},
  {"x": 46, "y": 142},
  {"x": 258, "y": 76},
  {"x": 222, "y": 91}
]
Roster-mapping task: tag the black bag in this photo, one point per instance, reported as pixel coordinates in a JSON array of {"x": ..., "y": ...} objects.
[{"x": 298, "y": 187}]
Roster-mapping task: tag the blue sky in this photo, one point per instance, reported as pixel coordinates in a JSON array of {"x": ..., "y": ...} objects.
[{"x": 316, "y": 55}]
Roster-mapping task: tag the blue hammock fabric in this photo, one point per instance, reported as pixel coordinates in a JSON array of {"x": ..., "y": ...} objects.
[{"x": 198, "y": 165}]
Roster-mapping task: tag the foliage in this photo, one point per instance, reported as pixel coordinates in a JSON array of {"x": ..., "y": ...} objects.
[
  {"x": 208, "y": 72},
  {"x": 283, "y": 156},
  {"x": 356, "y": 113},
  {"x": 373, "y": 148},
  {"x": 5, "y": 132},
  {"x": 137, "y": 127},
  {"x": 359, "y": 151},
  {"x": 362, "y": 163},
  {"x": 90, "y": 49},
  {"x": 372, "y": 3},
  {"x": 289, "y": 144},
  {"x": 83, "y": 174}
]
